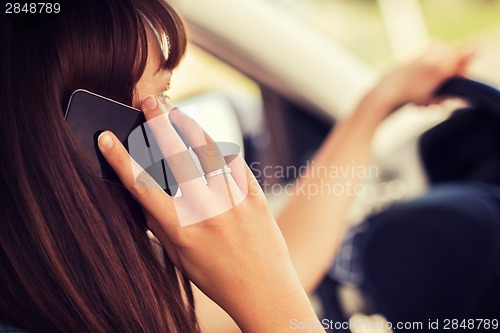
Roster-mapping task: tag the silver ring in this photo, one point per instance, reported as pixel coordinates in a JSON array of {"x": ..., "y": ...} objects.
[{"x": 217, "y": 172}]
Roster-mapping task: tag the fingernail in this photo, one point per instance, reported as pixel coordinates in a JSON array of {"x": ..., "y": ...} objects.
[
  {"x": 177, "y": 112},
  {"x": 105, "y": 141},
  {"x": 150, "y": 103}
]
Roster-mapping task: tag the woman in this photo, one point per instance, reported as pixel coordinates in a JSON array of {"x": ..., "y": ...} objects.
[{"x": 75, "y": 255}]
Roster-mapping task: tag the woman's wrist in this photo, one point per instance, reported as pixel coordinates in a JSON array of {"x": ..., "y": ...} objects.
[
  {"x": 273, "y": 307},
  {"x": 280, "y": 315},
  {"x": 375, "y": 106},
  {"x": 384, "y": 99}
]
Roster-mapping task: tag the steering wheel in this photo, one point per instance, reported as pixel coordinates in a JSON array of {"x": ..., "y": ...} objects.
[
  {"x": 480, "y": 95},
  {"x": 465, "y": 146}
]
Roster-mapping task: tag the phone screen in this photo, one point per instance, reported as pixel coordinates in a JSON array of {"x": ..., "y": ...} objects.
[{"x": 88, "y": 115}]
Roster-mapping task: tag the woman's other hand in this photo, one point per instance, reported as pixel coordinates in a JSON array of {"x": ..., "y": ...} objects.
[
  {"x": 417, "y": 80},
  {"x": 220, "y": 233}
]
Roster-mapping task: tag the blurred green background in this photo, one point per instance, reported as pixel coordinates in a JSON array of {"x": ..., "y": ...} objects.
[
  {"x": 369, "y": 32},
  {"x": 358, "y": 24}
]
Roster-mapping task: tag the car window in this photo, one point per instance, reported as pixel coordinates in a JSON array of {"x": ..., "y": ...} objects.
[{"x": 369, "y": 27}]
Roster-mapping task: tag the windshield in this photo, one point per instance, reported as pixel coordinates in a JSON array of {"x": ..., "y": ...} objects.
[{"x": 381, "y": 31}]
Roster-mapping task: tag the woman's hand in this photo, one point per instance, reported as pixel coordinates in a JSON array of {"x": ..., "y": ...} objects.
[
  {"x": 221, "y": 233},
  {"x": 417, "y": 80}
]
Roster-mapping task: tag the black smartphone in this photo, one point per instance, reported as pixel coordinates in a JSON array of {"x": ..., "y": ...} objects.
[{"x": 88, "y": 115}]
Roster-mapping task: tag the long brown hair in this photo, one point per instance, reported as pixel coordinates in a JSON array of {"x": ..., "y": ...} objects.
[{"x": 74, "y": 252}]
